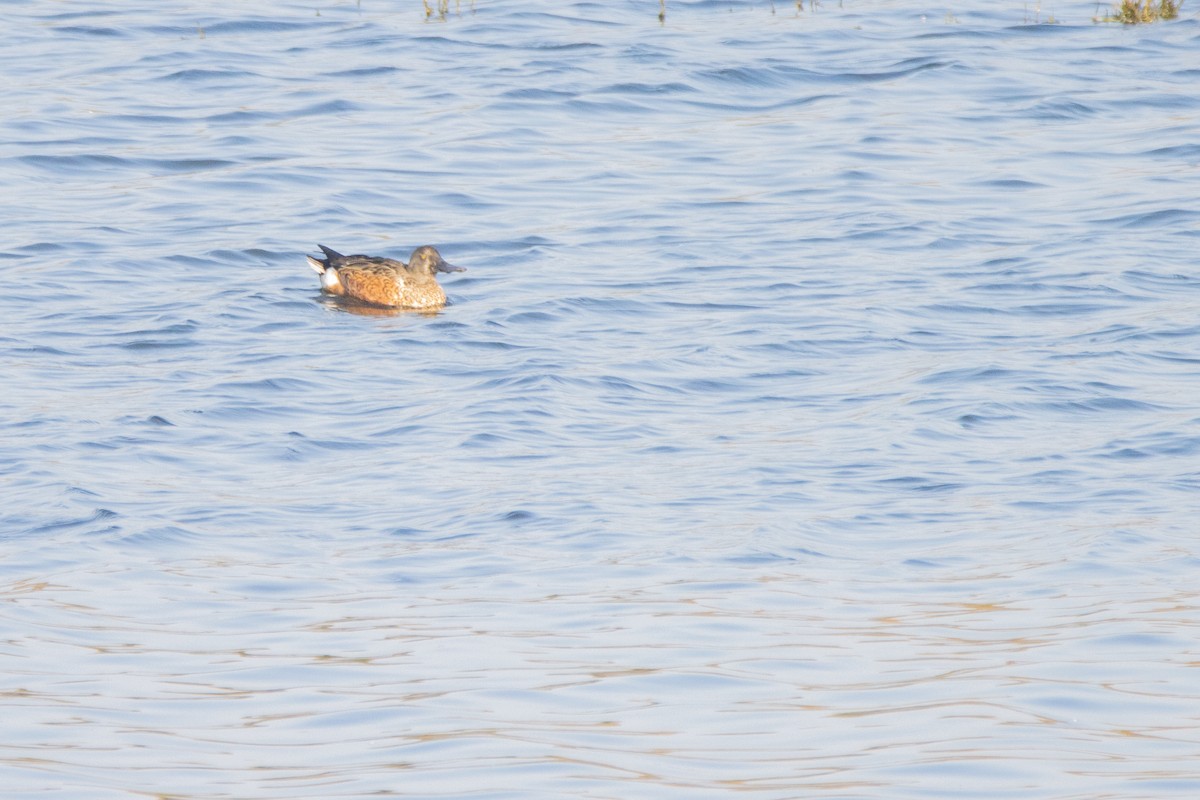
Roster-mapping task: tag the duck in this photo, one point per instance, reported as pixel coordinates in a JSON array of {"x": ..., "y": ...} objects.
[{"x": 384, "y": 281}]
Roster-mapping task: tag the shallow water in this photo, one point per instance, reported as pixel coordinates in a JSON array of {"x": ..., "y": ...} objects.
[{"x": 818, "y": 417}]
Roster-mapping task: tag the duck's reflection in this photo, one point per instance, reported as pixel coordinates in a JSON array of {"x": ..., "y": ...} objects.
[{"x": 352, "y": 306}]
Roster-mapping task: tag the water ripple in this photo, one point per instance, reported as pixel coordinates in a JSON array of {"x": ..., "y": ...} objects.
[{"x": 817, "y": 414}]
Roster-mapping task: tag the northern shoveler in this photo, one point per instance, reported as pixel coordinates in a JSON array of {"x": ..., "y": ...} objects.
[{"x": 385, "y": 281}]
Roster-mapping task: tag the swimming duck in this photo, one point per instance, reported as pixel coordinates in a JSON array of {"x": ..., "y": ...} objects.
[{"x": 385, "y": 281}]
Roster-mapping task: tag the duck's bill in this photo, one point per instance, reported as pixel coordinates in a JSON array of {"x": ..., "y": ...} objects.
[{"x": 447, "y": 267}]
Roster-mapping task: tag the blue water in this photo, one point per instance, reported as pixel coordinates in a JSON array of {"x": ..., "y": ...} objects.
[{"x": 819, "y": 415}]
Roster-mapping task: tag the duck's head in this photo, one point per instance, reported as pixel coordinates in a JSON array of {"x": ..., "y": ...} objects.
[{"x": 427, "y": 261}]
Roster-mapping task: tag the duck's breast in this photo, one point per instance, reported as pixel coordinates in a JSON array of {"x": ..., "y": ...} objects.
[{"x": 427, "y": 295}]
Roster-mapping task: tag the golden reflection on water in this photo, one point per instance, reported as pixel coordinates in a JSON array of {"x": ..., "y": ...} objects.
[{"x": 775, "y": 685}]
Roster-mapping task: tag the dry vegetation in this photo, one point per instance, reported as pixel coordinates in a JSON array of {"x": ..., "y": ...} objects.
[{"x": 1131, "y": 12}]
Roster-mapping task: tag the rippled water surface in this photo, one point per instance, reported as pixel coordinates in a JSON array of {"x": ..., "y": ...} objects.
[{"x": 819, "y": 415}]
